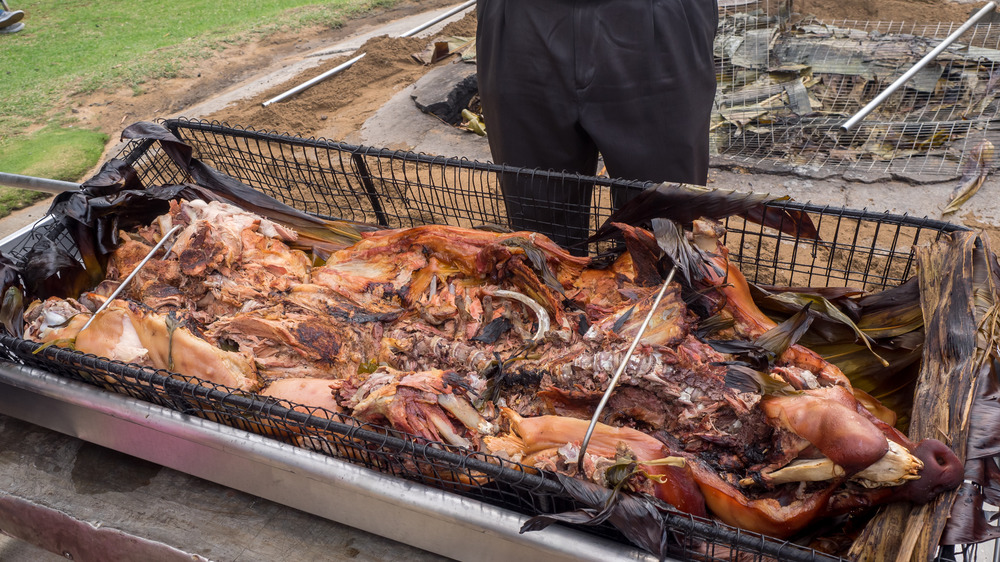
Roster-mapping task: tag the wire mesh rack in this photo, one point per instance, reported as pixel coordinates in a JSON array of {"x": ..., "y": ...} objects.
[
  {"x": 788, "y": 83},
  {"x": 392, "y": 188}
]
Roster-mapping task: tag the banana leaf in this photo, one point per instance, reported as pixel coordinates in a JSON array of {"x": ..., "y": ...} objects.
[
  {"x": 978, "y": 165},
  {"x": 845, "y": 298},
  {"x": 984, "y": 431},
  {"x": 760, "y": 355},
  {"x": 778, "y": 339},
  {"x": 686, "y": 255},
  {"x": 893, "y": 386},
  {"x": 892, "y": 312},
  {"x": 958, "y": 297},
  {"x": 748, "y": 353},
  {"x": 747, "y": 379},
  {"x": 876, "y": 339},
  {"x": 832, "y": 316},
  {"x": 12, "y": 302},
  {"x": 639, "y": 517},
  {"x": 967, "y": 523},
  {"x": 683, "y": 203},
  {"x": 50, "y": 271}
]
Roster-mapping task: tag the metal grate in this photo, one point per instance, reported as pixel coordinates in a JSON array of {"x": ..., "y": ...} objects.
[
  {"x": 405, "y": 189},
  {"x": 786, "y": 86}
]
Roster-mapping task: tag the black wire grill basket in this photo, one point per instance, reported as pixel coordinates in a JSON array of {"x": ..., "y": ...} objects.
[{"x": 401, "y": 189}]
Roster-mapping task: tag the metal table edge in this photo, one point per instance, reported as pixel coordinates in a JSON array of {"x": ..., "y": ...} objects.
[{"x": 409, "y": 512}]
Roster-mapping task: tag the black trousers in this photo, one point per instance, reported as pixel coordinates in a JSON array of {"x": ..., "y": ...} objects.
[{"x": 561, "y": 80}]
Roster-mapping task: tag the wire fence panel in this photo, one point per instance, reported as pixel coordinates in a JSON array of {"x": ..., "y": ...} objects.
[{"x": 787, "y": 85}]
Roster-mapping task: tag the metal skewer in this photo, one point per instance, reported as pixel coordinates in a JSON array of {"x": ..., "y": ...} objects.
[
  {"x": 445, "y": 15},
  {"x": 37, "y": 184},
  {"x": 621, "y": 369},
  {"x": 857, "y": 117},
  {"x": 124, "y": 283},
  {"x": 309, "y": 83}
]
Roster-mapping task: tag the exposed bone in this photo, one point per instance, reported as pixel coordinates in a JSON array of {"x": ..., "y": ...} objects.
[
  {"x": 466, "y": 413},
  {"x": 810, "y": 470},
  {"x": 895, "y": 468},
  {"x": 543, "y": 316},
  {"x": 445, "y": 429}
]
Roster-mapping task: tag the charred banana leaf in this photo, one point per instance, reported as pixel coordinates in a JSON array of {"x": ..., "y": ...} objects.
[{"x": 958, "y": 295}]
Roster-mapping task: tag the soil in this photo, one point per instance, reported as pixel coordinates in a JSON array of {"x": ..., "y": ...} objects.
[
  {"x": 203, "y": 79},
  {"x": 910, "y": 11}
]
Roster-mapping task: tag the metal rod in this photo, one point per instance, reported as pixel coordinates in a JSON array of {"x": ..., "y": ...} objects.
[
  {"x": 447, "y": 14},
  {"x": 124, "y": 283},
  {"x": 857, "y": 117},
  {"x": 621, "y": 369},
  {"x": 314, "y": 81},
  {"x": 37, "y": 184}
]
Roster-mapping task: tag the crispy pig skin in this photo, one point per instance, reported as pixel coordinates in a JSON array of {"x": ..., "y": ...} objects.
[
  {"x": 222, "y": 258},
  {"x": 128, "y": 332},
  {"x": 306, "y": 392},
  {"x": 533, "y": 437},
  {"x": 828, "y": 418},
  {"x": 770, "y": 516}
]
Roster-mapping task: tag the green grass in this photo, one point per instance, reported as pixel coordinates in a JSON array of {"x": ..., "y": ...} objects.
[
  {"x": 52, "y": 152},
  {"x": 70, "y": 46}
]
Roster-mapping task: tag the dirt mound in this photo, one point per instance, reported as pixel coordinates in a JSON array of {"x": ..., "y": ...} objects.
[
  {"x": 335, "y": 107},
  {"x": 910, "y": 11}
]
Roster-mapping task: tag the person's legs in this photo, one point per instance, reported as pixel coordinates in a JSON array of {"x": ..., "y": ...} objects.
[
  {"x": 8, "y": 18},
  {"x": 649, "y": 101},
  {"x": 524, "y": 53}
]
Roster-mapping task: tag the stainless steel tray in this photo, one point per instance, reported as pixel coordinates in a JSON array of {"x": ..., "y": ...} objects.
[{"x": 432, "y": 519}]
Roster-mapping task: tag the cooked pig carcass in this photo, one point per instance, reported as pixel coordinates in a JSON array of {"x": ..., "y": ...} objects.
[
  {"x": 310, "y": 392},
  {"x": 459, "y": 318}
]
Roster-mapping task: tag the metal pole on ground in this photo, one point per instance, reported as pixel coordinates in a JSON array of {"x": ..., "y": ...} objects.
[
  {"x": 314, "y": 81},
  {"x": 37, "y": 184},
  {"x": 445, "y": 15},
  {"x": 348, "y": 64},
  {"x": 857, "y": 117}
]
